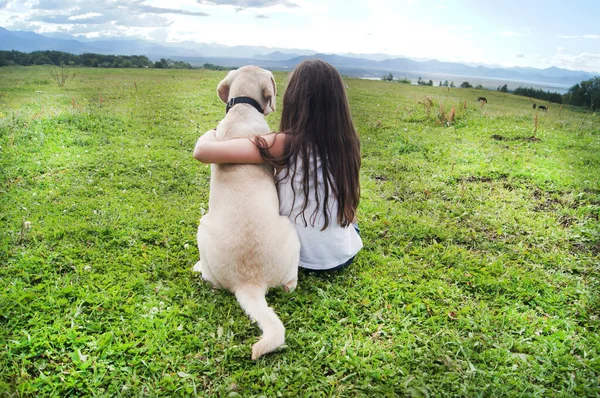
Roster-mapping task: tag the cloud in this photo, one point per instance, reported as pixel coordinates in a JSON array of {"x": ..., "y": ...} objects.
[
  {"x": 3, "y": 3},
  {"x": 584, "y": 61},
  {"x": 511, "y": 34},
  {"x": 88, "y": 15},
  {"x": 591, "y": 37},
  {"x": 249, "y": 3},
  {"x": 261, "y": 16},
  {"x": 135, "y": 6},
  {"x": 51, "y": 4},
  {"x": 520, "y": 55},
  {"x": 159, "y": 10}
]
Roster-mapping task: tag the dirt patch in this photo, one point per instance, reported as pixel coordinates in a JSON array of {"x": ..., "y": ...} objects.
[
  {"x": 566, "y": 221},
  {"x": 499, "y": 137},
  {"x": 498, "y": 177}
]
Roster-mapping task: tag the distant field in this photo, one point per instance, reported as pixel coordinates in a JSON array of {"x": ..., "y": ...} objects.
[
  {"x": 487, "y": 83},
  {"x": 479, "y": 276}
]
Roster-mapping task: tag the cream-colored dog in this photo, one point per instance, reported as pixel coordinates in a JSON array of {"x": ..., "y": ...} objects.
[{"x": 245, "y": 246}]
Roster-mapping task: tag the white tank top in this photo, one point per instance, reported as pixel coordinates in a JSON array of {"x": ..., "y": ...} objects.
[{"x": 319, "y": 250}]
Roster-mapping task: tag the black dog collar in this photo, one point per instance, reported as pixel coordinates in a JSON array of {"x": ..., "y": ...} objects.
[{"x": 242, "y": 100}]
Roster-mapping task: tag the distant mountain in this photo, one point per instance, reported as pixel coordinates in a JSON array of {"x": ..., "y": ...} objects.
[
  {"x": 277, "y": 56},
  {"x": 553, "y": 74},
  {"x": 285, "y": 59},
  {"x": 30, "y": 41}
]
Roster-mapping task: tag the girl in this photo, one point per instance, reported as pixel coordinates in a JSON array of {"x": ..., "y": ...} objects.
[{"x": 316, "y": 156}]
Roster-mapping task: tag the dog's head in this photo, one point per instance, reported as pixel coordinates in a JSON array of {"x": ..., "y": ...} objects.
[{"x": 250, "y": 81}]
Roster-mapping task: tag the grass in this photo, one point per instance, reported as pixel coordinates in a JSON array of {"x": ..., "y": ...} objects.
[{"x": 479, "y": 275}]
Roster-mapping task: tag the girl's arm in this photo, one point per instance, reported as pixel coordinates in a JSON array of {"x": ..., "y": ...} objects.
[{"x": 238, "y": 150}]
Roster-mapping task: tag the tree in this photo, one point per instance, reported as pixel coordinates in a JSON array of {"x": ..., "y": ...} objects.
[
  {"x": 539, "y": 94},
  {"x": 586, "y": 93},
  {"x": 452, "y": 84},
  {"x": 465, "y": 85},
  {"x": 503, "y": 89}
]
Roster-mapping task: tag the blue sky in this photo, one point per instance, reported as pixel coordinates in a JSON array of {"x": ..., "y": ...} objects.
[{"x": 532, "y": 33}]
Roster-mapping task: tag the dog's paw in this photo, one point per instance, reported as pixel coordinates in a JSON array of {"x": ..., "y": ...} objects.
[
  {"x": 197, "y": 267},
  {"x": 290, "y": 286}
]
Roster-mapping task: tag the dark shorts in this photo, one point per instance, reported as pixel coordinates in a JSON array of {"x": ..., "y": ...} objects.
[{"x": 337, "y": 267}]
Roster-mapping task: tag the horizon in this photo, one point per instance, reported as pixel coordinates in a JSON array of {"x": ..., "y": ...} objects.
[{"x": 511, "y": 34}]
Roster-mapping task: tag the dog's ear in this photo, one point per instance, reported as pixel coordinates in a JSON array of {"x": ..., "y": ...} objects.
[
  {"x": 269, "y": 93},
  {"x": 223, "y": 87}
]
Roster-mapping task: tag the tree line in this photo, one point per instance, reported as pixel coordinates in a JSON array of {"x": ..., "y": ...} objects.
[
  {"x": 586, "y": 94},
  {"x": 59, "y": 58}
]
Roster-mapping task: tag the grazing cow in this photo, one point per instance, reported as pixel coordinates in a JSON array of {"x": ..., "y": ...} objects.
[
  {"x": 482, "y": 99},
  {"x": 533, "y": 106},
  {"x": 542, "y": 107}
]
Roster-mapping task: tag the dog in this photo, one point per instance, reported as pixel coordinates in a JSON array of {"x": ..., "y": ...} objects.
[
  {"x": 534, "y": 106},
  {"x": 483, "y": 99},
  {"x": 542, "y": 107},
  {"x": 245, "y": 246}
]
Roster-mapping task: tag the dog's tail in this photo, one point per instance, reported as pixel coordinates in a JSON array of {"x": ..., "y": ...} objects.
[{"x": 252, "y": 300}]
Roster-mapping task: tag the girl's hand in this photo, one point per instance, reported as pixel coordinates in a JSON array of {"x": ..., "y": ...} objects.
[{"x": 209, "y": 136}]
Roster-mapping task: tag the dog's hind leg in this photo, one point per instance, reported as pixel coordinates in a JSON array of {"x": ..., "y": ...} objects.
[
  {"x": 197, "y": 267},
  {"x": 206, "y": 275}
]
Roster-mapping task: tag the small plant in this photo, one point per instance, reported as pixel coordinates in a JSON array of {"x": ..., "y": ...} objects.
[
  {"x": 451, "y": 116},
  {"x": 61, "y": 77},
  {"x": 535, "y": 122},
  {"x": 428, "y": 104}
]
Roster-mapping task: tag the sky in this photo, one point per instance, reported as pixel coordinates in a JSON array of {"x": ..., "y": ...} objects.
[{"x": 528, "y": 33}]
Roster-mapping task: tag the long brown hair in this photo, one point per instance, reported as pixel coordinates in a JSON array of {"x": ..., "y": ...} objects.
[{"x": 316, "y": 120}]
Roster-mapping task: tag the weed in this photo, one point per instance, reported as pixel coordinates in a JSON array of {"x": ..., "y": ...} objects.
[{"x": 61, "y": 77}]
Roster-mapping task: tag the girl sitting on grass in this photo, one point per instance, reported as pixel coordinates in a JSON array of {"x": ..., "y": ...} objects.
[{"x": 316, "y": 156}]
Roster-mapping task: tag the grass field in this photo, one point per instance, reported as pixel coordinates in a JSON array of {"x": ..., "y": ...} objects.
[{"x": 479, "y": 275}]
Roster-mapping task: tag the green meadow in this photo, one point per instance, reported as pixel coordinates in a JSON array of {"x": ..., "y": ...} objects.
[{"x": 479, "y": 276}]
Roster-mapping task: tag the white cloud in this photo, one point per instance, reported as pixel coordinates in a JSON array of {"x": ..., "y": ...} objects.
[
  {"x": 515, "y": 34},
  {"x": 520, "y": 55},
  {"x": 586, "y": 61},
  {"x": 249, "y": 3},
  {"x": 591, "y": 37},
  {"x": 88, "y": 15}
]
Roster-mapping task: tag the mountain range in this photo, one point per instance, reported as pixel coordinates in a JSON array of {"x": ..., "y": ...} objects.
[{"x": 282, "y": 59}]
